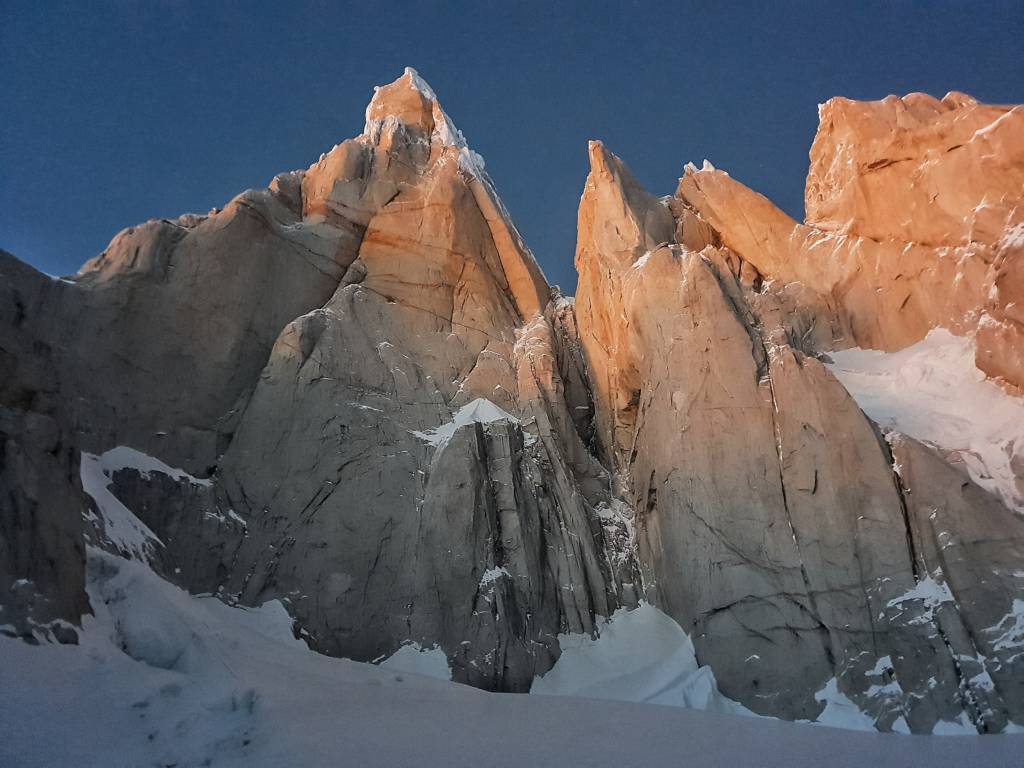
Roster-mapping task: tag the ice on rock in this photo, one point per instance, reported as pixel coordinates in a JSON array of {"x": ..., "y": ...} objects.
[
  {"x": 1010, "y": 630},
  {"x": 491, "y": 575}
]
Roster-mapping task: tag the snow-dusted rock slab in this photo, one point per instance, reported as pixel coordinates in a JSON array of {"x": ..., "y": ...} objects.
[{"x": 932, "y": 391}]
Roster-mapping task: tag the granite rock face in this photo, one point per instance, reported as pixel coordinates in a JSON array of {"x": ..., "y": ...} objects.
[
  {"x": 917, "y": 169},
  {"x": 770, "y": 522},
  {"x": 355, "y": 392},
  {"x": 368, "y": 362},
  {"x": 914, "y": 209}
]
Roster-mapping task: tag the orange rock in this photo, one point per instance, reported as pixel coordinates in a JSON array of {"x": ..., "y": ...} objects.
[
  {"x": 907, "y": 204},
  {"x": 917, "y": 169}
]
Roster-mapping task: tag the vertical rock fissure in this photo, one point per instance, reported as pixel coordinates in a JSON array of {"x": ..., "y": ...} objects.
[
  {"x": 968, "y": 700},
  {"x": 915, "y": 564},
  {"x": 777, "y": 429}
]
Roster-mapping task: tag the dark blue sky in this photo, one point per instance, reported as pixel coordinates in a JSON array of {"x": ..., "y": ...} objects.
[{"x": 114, "y": 113}]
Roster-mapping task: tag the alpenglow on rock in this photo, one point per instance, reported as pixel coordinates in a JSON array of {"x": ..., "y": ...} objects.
[{"x": 355, "y": 392}]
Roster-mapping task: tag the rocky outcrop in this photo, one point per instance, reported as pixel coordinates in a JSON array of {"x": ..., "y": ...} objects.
[
  {"x": 353, "y": 391},
  {"x": 911, "y": 208},
  {"x": 618, "y": 222},
  {"x": 42, "y": 552},
  {"x": 375, "y": 392},
  {"x": 917, "y": 169},
  {"x": 971, "y": 547},
  {"x": 769, "y": 523}
]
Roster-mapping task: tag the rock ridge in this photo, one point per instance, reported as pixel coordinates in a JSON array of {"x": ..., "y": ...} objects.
[{"x": 353, "y": 391}]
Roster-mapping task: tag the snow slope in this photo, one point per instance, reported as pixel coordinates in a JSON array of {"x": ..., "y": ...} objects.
[
  {"x": 932, "y": 391},
  {"x": 642, "y": 656},
  {"x": 165, "y": 678}
]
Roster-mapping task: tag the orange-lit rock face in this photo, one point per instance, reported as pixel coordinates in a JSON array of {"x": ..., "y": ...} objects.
[
  {"x": 761, "y": 491},
  {"x": 404, "y": 102},
  {"x": 412, "y": 433},
  {"x": 1000, "y": 338},
  {"x": 908, "y": 205},
  {"x": 917, "y": 169},
  {"x": 879, "y": 294},
  {"x": 618, "y": 223}
]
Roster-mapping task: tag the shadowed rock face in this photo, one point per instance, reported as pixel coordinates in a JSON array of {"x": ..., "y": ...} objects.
[{"x": 386, "y": 419}]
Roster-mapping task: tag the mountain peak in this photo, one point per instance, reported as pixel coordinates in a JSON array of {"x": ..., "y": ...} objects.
[
  {"x": 411, "y": 101},
  {"x": 404, "y": 100}
]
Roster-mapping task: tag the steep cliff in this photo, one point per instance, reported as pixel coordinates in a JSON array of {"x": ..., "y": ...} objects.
[
  {"x": 770, "y": 522},
  {"x": 354, "y": 392}
]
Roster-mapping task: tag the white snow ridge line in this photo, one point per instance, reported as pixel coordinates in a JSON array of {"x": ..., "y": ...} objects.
[{"x": 120, "y": 525}]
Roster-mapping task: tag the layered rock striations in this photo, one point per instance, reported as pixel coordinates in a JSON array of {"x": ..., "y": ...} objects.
[{"x": 354, "y": 391}]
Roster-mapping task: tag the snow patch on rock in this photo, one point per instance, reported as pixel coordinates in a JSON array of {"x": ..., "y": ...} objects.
[
  {"x": 480, "y": 410},
  {"x": 124, "y": 457},
  {"x": 491, "y": 575},
  {"x": 120, "y": 526},
  {"x": 928, "y": 589},
  {"x": 932, "y": 391},
  {"x": 840, "y": 711},
  {"x": 1010, "y": 629}
]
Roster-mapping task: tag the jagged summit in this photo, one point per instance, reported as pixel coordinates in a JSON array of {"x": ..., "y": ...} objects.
[
  {"x": 386, "y": 420},
  {"x": 409, "y": 101}
]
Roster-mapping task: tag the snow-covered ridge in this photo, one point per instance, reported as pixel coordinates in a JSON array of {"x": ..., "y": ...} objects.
[
  {"x": 124, "y": 457},
  {"x": 932, "y": 391},
  {"x": 121, "y": 527},
  {"x": 417, "y": 660}
]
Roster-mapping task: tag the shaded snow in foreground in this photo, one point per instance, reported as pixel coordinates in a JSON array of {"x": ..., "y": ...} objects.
[
  {"x": 932, "y": 391},
  {"x": 641, "y": 656},
  {"x": 644, "y": 656},
  {"x": 428, "y": 662},
  {"x": 162, "y": 677}
]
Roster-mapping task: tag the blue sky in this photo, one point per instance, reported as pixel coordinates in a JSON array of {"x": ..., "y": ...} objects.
[{"x": 114, "y": 113}]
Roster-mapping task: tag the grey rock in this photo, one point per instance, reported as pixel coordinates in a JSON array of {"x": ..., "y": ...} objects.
[{"x": 395, "y": 427}]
